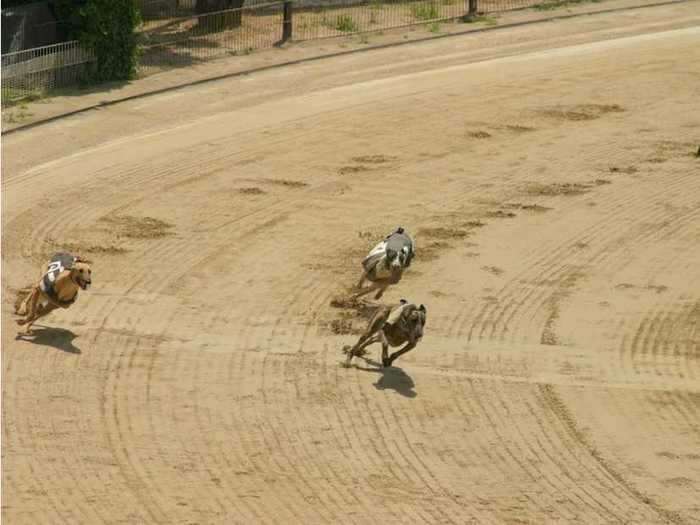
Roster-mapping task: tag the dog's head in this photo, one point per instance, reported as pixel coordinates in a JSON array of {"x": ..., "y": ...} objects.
[
  {"x": 416, "y": 321},
  {"x": 398, "y": 260},
  {"x": 82, "y": 274}
]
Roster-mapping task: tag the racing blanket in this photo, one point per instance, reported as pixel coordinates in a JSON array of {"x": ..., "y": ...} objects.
[
  {"x": 59, "y": 262},
  {"x": 376, "y": 264}
]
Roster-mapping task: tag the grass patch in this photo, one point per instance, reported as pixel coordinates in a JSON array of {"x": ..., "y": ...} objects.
[
  {"x": 12, "y": 116},
  {"x": 486, "y": 19},
  {"x": 12, "y": 97},
  {"x": 434, "y": 27},
  {"x": 426, "y": 12},
  {"x": 343, "y": 23}
]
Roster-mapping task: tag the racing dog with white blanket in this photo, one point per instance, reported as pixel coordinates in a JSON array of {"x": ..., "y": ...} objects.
[
  {"x": 391, "y": 326},
  {"x": 58, "y": 288},
  {"x": 386, "y": 263}
]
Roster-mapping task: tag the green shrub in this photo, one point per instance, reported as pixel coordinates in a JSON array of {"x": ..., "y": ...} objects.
[
  {"x": 346, "y": 24},
  {"x": 426, "y": 12},
  {"x": 107, "y": 27}
]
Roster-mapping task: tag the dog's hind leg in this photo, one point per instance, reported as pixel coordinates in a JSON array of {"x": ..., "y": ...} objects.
[
  {"x": 381, "y": 291},
  {"x": 23, "y": 297},
  {"x": 31, "y": 311},
  {"x": 366, "y": 340},
  {"x": 367, "y": 290}
]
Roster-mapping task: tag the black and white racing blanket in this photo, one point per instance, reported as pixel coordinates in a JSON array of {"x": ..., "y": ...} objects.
[
  {"x": 58, "y": 263},
  {"x": 397, "y": 243}
]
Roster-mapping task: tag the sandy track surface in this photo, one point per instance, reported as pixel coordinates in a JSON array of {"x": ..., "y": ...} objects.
[{"x": 555, "y": 200}]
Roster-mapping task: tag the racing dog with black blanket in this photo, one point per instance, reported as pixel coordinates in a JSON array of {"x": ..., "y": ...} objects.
[
  {"x": 58, "y": 288},
  {"x": 385, "y": 264},
  {"x": 391, "y": 326}
]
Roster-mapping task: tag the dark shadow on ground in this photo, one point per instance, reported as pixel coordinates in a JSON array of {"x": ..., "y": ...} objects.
[
  {"x": 391, "y": 378},
  {"x": 57, "y": 338}
]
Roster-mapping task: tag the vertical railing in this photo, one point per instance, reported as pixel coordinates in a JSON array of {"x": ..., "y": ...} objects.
[{"x": 43, "y": 68}]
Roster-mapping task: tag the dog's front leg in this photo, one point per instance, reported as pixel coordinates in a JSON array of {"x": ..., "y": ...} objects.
[
  {"x": 385, "y": 350},
  {"x": 389, "y": 360},
  {"x": 362, "y": 280}
]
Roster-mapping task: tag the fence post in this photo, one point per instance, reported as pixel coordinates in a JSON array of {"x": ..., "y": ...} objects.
[
  {"x": 287, "y": 21},
  {"x": 472, "y": 7}
]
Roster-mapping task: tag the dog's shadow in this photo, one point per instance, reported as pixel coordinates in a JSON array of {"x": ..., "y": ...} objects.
[
  {"x": 58, "y": 338},
  {"x": 391, "y": 378}
]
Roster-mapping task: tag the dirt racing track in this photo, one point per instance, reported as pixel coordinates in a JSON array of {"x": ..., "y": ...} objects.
[{"x": 553, "y": 191}]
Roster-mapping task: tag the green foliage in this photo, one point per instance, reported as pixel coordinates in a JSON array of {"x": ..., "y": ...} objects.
[
  {"x": 344, "y": 23},
  {"x": 107, "y": 27},
  {"x": 426, "y": 12},
  {"x": 486, "y": 19}
]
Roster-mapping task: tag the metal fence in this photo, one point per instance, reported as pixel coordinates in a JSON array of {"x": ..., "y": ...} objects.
[
  {"x": 323, "y": 22},
  {"x": 187, "y": 40},
  {"x": 174, "y": 33},
  {"x": 43, "y": 68}
]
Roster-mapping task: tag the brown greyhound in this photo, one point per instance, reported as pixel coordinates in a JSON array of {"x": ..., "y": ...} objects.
[
  {"x": 58, "y": 288},
  {"x": 392, "y": 326}
]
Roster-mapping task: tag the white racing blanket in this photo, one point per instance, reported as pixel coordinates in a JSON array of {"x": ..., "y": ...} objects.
[
  {"x": 397, "y": 312},
  {"x": 377, "y": 263}
]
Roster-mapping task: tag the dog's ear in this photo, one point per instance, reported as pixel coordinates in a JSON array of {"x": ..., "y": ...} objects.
[
  {"x": 81, "y": 259},
  {"x": 422, "y": 308}
]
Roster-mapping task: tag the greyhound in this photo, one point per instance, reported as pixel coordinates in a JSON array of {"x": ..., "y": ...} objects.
[
  {"x": 392, "y": 326},
  {"x": 385, "y": 264},
  {"x": 58, "y": 287}
]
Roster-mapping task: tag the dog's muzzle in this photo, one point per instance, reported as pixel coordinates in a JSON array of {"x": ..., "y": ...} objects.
[{"x": 85, "y": 284}]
